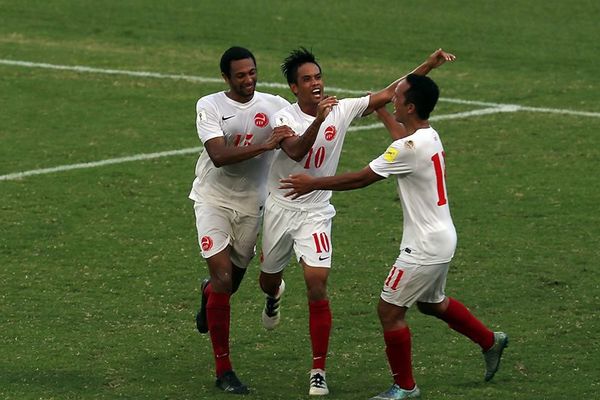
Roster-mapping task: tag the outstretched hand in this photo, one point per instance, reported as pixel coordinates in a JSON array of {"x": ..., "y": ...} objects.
[
  {"x": 439, "y": 57},
  {"x": 298, "y": 184}
]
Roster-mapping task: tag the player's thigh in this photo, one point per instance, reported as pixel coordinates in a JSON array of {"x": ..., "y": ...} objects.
[
  {"x": 277, "y": 242},
  {"x": 313, "y": 244},
  {"x": 436, "y": 287},
  {"x": 243, "y": 243},
  {"x": 214, "y": 227},
  {"x": 407, "y": 283}
]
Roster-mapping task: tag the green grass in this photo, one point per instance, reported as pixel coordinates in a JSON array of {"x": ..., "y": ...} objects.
[{"x": 99, "y": 268}]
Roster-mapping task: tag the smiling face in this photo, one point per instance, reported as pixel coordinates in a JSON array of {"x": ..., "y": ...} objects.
[
  {"x": 308, "y": 87},
  {"x": 242, "y": 82}
]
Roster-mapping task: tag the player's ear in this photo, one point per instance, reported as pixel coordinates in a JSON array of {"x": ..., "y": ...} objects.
[
  {"x": 225, "y": 77},
  {"x": 294, "y": 89}
]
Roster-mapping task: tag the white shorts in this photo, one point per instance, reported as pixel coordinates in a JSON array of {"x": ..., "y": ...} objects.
[
  {"x": 409, "y": 283},
  {"x": 307, "y": 232},
  {"x": 219, "y": 227}
]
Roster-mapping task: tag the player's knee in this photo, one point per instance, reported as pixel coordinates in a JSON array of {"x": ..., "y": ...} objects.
[
  {"x": 316, "y": 288},
  {"x": 222, "y": 283},
  {"x": 434, "y": 309},
  {"x": 269, "y": 283},
  {"x": 425, "y": 309}
]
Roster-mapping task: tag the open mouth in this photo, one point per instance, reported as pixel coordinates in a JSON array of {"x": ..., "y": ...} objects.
[{"x": 316, "y": 92}]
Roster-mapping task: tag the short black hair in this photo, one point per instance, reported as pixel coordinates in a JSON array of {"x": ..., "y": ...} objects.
[
  {"x": 232, "y": 54},
  {"x": 423, "y": 93},
  {"x": 294, "y": 60}
]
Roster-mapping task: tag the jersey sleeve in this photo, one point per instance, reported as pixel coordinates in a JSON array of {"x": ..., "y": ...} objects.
[
  {"x": 207, "y": 121},
  {"x": 354, "y": 107},
  {"x": 398, "y": 159},
  {"x": 283, "y": 103}
]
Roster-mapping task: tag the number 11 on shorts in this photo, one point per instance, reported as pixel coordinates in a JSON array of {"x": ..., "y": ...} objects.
[{"x": 393, "y": 278}]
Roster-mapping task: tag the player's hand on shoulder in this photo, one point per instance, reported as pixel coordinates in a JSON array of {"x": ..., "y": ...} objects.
[
  {"x": 279, "y": 133},
  {"x": 439, "y": 57}
]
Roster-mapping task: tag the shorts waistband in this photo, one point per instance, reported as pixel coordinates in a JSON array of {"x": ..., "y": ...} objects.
[{"x": 298, "y": 206}]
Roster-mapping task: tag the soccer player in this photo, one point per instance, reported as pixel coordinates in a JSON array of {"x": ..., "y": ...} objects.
[
  {"x": 303, "y": 225},
  {"x": 229, "y": 193},
  {"x": 428, "y": 238}
]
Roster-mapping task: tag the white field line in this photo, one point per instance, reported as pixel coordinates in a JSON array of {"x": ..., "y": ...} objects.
[
  {"x": 93, "y": 164},
  {"x": 492, "y": 108},
  {"x": 196, "y": 150},
  {"x": 201, "y": 79}
]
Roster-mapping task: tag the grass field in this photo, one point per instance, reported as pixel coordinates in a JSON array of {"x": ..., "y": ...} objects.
[{"x": 99, "y": 264}]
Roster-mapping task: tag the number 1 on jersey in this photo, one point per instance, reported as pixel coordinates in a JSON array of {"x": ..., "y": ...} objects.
[{"x": 440, "y": 173}]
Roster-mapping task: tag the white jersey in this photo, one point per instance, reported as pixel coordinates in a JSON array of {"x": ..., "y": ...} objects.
[
  {"x": 323, "y": 157},
  {"x": 240, "y": 186},
  {"x": 418, "y": 163}
]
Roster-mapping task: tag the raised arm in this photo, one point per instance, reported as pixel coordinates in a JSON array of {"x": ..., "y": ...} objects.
[
  {"x": 302, "y": 184},
  {"x": 396, "y": 129},
  {"x": 384, "y": 96},
  {"x": 222, "y": 154},
  {"x": 298, "y": 146}
]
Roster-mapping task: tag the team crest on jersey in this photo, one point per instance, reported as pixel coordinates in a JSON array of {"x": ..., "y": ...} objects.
[
  {"x": 206, "y": 242},
  {"x": 330, "y": 132},
  {"x": 390, "y": 154},
  {"x": 202, "y": 115},
  {"x": 261, "y": 120}
]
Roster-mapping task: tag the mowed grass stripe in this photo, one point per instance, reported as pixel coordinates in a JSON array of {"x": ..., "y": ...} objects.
[
  {"x": 201, "y": 79},
  {"x": 191, "y": 150}
]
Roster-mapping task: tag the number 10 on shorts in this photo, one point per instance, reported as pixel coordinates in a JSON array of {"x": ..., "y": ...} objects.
[{"x": 321, "y": 242}]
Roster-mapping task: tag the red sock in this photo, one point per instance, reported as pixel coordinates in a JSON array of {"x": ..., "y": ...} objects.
[
  {"x": 462, "y": 321},
  {"x": 217, "y": 317},
  {"x": 399, "y": 354},
  {"x": 319, "y": 322}
]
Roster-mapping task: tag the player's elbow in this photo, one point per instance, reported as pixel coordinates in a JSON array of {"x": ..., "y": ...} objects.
[
  {"x": 218, "y": 160},
  {"x": 294, "y": 155}
]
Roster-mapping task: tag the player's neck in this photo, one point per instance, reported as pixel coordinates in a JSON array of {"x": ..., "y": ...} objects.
[
  {"x": 414, "y": 125},
  {"x": 308, "y": 108},
  {"x": 237, "y": 97}
]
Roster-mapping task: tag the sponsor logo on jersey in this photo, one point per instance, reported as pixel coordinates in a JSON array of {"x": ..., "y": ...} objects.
[
  {"x": 202, "y": 115},
  {"x": 321, "y": 258},
  {"x": 390, "y": 154},
  {"x": 224, "y": 118},
  {"x": 409, "y": 144},
  {"x": 330, "y": 132},
  {"x": 261, "y": 120},
  {"x": 206, "y": 242}
]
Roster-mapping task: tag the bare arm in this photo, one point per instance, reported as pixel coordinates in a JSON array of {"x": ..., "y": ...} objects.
[
  {"x": 222, "y": 154},
  {"x": 384, "y": 96},
  {"x": 298, "y": 146},
  {"x": 302, "y": 184},
  {"x": 396, "y": 129}
]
